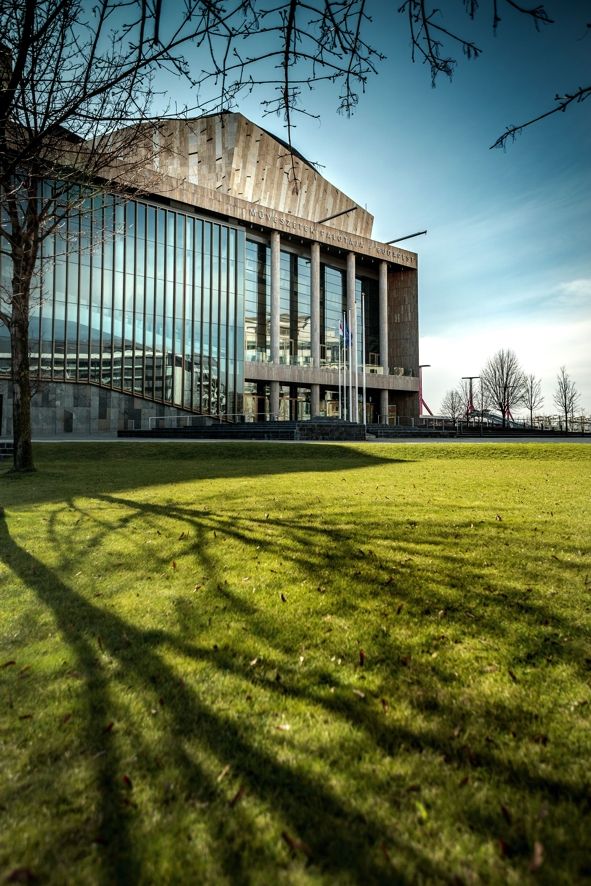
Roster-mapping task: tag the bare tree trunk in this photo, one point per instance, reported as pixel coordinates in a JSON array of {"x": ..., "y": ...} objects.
[
  {"x": 21, "y": 403},
  {"x": 23, "y": 264}
]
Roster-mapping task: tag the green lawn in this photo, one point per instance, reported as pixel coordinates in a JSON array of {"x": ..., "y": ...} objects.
[{"x": 265, "y": 663}]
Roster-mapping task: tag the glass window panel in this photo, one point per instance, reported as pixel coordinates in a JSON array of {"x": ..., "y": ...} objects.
[
  {"x": 150, "y": 258},
  {"x": 179, "y": 300},
  {"x": 108, "y": 289},
  {"x": 160, "y": 262},
  {"x": 119, "y": 252},
  {"x": 160, "y": 298},
  {"x": 60, "y": 280},
  {"x": 180, "y": 231},
  {"x": 150, "y": 303},
  {"x": 118, "y": 290},
  {"x": 107, "y": 250},
  {"x": 140, "y": 256},
  {"x": 161, "y": 226},
  {"x": 83, "y": 326},
  {"x": 170, "y": 258},
  {"x": 119, "y": 216},
  {"x": 151, "y": 224},
  {"x": 129, "y": 255},
  {"x": 170, "y": 227},
  {"x": 140, "y": 221}
]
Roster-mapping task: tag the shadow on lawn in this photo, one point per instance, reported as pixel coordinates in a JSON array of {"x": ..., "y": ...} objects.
[
  {"x": 73, "y": 470},
  {"x": 287, "y": 789},
  {"x": 343, "y": 841}
]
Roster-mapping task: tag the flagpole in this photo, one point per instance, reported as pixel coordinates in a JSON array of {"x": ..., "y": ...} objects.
[
  {"x": 345, "y": 407},
  {"x": 340, "y": 416},
  {"x": 341, "y": 357},
  {"x": 351, "y": 413},
  {"x": 363, "y": 359},
  {"x": 356, "y": 374}
]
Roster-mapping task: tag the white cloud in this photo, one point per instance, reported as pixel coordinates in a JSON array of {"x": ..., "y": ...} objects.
[{"x": 578, "y": 290}]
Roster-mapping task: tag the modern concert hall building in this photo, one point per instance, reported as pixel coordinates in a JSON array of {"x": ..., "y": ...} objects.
[{"x": 231, "y": 289}]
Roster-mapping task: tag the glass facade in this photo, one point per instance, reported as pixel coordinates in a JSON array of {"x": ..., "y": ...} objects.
[
  {"x": 333, "y": 302},
  {"x": 295, "y": 335},
  {"x": 257, "y": 302},
  {"x": 169, "y": 307},
  {"x": 367, "y": 294},
  {"x": 141, "y": 299},
  {"x": 295, "y": 340}
]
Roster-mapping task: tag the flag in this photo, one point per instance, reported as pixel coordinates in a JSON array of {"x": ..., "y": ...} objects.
[{"x": 345, "y": 333}]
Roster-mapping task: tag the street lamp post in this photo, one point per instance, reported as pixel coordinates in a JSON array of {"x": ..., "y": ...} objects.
[{"x": 470, "y": 379}]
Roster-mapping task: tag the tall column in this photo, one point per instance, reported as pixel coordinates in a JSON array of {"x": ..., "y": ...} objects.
[
  {"x": 383, "y": 323},
  {"x": 351, "y": 311},
  {"x": 383, "y": 315},
  {"x": 275, "y": 317},
  {"x": 315, "y": 323}
]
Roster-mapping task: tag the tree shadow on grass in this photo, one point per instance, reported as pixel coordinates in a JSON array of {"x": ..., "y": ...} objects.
[
  {"x": 289, "y": 790},
  {"x": 71, "y": 470},
  {"x": 344, "y": 842}
]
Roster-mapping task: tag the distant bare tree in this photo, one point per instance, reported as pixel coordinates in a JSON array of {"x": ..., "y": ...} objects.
[
  {"x": 481, "y": 399},
  {"x": 533, "y": 398},
  {"x": 466, "y": 399},
  {"x": 503, "y": 382},
  {"x": 566, "y": 396},
  {"x": 452, "y": 405},
  {"x": 472, "y": 397},
  {"x": 76, "y": 97}
]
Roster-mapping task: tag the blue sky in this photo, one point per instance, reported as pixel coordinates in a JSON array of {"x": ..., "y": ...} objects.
[{"x": 507, "y": 260}]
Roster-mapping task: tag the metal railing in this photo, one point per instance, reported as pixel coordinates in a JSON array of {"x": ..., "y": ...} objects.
[{"x": 260, "y": 356}]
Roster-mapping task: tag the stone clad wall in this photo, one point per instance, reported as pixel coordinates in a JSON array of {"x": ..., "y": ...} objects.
[
  {"x": 403, "y": 338},
  {"x": 236, "y": 158},
  {"x": 79, "y": 409}
]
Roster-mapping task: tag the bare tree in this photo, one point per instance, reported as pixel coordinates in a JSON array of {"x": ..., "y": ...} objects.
[
  {"x": 474, "y": 398},
  {"x": 437, "y": 43},
  {"x": 566, "y": 396},
  {"x": 76, "y": 98},
  {"x": 466, "y": 395},
  {"x": 533, "y": 398},
  {"x": 503, "y": 382},
  {"x": 452, "y": 405}
]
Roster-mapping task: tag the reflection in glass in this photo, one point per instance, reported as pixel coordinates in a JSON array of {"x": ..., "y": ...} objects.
[{"x": 143, "y": 300}]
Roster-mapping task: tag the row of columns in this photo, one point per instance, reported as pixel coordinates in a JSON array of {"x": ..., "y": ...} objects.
[{"x": 315, "y": 321}]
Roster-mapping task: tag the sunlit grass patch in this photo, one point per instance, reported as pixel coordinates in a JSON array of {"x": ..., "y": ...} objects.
[{"x": 272, "y": 663}]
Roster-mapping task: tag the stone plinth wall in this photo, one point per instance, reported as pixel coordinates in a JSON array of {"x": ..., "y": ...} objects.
[{"x": 59, "y": 408}]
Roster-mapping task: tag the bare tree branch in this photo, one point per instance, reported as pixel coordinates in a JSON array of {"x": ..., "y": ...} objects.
[
  {"x": 427, "y": 34},
  {"x": 563, "y": 103}
]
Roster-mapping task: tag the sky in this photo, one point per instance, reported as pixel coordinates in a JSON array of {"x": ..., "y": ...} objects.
[{"x": 506, "y": 262}]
